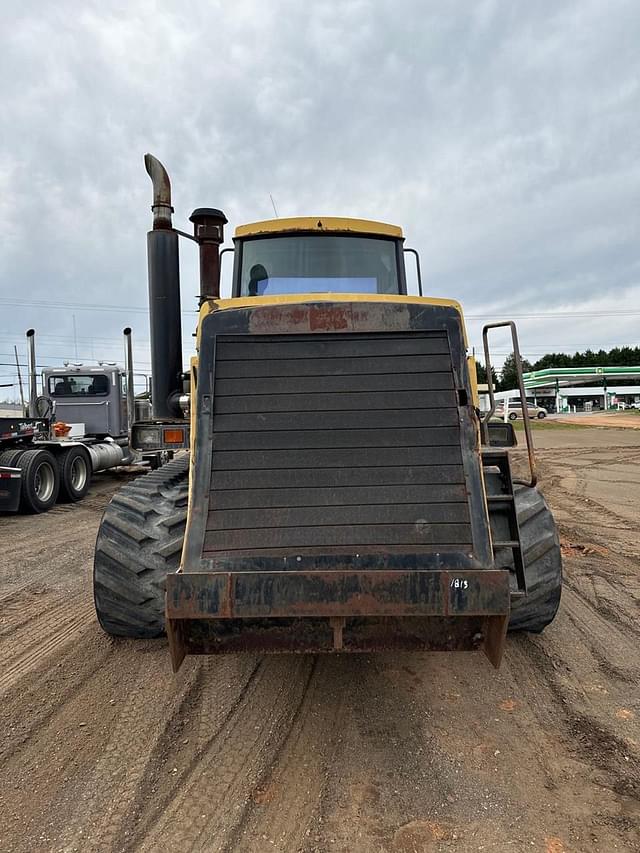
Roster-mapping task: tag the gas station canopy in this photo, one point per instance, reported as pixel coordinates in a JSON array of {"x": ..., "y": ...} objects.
[{"x": 558, "y": 377}]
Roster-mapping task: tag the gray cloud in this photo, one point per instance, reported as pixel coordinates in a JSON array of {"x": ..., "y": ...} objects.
[{"x": 503, "y": 137}]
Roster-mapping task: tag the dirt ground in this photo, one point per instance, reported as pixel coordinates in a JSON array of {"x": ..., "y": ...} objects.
[
  {"x": 618, "y": 420},
  {"x": 103, "y": 749}
]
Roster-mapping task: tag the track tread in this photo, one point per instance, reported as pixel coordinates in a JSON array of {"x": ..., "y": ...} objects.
[
  {"x": 542, "y": 561},
  {"x": 140, "y": 542}
]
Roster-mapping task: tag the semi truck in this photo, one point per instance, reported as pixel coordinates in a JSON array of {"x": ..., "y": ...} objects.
[{"x": 78, "y": 426}]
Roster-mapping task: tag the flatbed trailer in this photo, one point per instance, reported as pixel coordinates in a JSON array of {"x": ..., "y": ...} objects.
[{"x": 15, "y": 433}]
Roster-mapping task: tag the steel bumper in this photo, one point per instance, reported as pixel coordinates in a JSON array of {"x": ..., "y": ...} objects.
[{"x": 337, "y": 611}]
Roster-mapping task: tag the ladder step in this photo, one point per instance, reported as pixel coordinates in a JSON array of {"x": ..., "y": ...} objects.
[
  {"x": 500, "y": 499},
  {"x": 509, "y": 544}
]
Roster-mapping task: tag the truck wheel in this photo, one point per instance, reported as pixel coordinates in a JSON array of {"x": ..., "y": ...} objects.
[
  {"x": 10, "y": 457},
  {"x": 40, "y": 480},
  {"x": 140, "y": 542},
  {"x": 74, "y": 466},
  {"x": 542, "y": 557}
]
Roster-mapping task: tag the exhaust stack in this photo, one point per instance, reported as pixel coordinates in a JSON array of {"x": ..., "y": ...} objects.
[
  {"x": 208, "y": 230},
  {"x": 33, "y": 382},
  {"x": 164, "y": 299},
  {"x": 128, "y": 366}
]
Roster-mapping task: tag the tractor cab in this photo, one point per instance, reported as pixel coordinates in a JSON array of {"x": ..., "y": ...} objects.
[
  {"x": 318, "y": 255},
  {"x": 92, "y": 395}
]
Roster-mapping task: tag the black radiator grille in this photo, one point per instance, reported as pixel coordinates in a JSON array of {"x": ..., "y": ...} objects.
[{"x": 343, "y": 443}]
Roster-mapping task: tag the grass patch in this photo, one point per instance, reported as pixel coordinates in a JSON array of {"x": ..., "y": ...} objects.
[{"x": 543, "y": 423}]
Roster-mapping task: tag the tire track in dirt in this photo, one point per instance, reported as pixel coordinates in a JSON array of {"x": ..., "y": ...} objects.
[
  {"x": 129, "y": 783},
  {"x": 586, "y": 734},
  {"x": 213, "y": 790},
  {"x": 279, "y": 813},
  {"x": 44, "y": 636}
]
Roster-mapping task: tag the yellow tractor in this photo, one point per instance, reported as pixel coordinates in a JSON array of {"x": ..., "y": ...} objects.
[{"x": 339, "y": 489}]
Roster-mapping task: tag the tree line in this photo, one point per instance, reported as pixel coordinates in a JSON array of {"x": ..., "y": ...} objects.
[{"x": 508, "y": 378}]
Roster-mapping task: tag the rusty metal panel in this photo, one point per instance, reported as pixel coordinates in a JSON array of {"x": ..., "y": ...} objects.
[{"x": 291, "y": 594}]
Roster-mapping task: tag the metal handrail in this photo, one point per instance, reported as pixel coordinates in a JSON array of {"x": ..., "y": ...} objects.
[
  {"x": 523, "y": 395},
  {"x": 418, "y": 270}
]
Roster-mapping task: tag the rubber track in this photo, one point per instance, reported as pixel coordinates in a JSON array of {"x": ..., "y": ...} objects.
[
  {"x": 140, "y": 542},
  {"x": 542, "y": 561}
]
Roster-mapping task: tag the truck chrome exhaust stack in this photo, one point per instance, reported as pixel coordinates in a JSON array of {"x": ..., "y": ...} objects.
[
  {"x": 33, "y": 382},
  {"x": 128, "y": 366},
  {"x": 161, "y": 206},
  {"x": 164, "y": 299}
]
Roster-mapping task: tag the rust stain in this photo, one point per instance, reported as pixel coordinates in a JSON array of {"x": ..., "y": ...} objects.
[
  {"x": 330, "y": 318},
  {"x": 279, "y": 318},
  {"x": 227, "y": 602}
]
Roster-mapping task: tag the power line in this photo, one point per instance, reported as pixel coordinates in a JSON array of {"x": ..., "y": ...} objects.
[
  {"x": 537, "y": 315},
  {"x": 81, "y": 306}
]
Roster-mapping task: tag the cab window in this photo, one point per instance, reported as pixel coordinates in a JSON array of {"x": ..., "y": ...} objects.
[
  {"x": 78, "y": 385},
  {"x": 322, "y": 263}
]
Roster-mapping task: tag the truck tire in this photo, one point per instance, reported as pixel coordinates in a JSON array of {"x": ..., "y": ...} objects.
[
  {"x": 140, "y": 542},
  {"x": 40, "y": 480},
  {"x": 10, "y": 457},
  {"x": 74, "y": 467},
  {"x": 542, "y": 557}
]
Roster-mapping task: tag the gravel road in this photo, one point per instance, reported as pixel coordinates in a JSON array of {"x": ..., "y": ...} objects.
[{"x": 103, "y": 749}]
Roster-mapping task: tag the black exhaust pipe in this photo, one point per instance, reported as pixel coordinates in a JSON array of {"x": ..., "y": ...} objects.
[{"x": 164, "y": 299}]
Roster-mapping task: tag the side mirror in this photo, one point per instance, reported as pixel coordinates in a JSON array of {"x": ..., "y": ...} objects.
[{"x": 501, "y": 434}]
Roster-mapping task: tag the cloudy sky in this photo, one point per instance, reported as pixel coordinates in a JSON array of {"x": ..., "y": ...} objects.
[{"x": 503, "y": 136}]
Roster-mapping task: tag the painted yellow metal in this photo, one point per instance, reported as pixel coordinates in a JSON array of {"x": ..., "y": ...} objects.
[
  {"x": 192, "y": 438},
  {"x": 321, "y": 224},
  {"x": 473, "y": 380},
  {"x": 391, "y": 298}
]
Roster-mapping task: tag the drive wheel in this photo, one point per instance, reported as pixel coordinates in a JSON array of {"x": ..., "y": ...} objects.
[
  {"x": 40, "y": 481},
  {"x": 140, "y": 542},
  {"x": 513, "y": 416},
  {"x": 74, "y": 466}
]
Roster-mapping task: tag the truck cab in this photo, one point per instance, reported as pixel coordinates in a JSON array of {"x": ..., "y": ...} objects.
[{"x": 94, "y": 396}]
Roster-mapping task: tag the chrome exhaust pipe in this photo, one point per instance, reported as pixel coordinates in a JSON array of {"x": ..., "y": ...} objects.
[
  {"x": 128, "y": 366},
  {"x": 161, "y": 206},
  {"x": 33, "y": 381}
]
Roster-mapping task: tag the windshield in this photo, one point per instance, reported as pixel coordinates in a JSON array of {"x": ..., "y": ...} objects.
[
  {"x": 320, "y": 263},
  {"x": 77, "y": 385}
]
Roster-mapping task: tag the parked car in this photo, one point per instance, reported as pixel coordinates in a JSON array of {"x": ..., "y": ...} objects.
[{"x": 515, "y": 411}]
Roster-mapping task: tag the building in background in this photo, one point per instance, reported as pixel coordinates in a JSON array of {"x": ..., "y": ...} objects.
[{"x": 569, "y": 389}]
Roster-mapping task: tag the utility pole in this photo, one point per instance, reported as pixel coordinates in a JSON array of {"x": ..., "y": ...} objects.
[{"x": 75, "y": 337}]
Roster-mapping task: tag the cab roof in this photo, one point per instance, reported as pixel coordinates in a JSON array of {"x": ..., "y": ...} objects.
[{"x": 324, "y": 224}]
